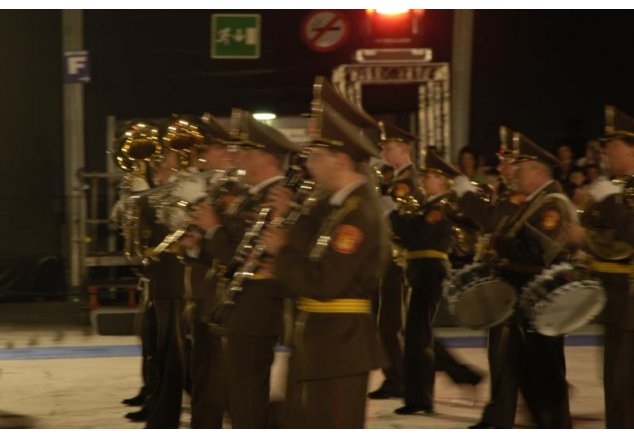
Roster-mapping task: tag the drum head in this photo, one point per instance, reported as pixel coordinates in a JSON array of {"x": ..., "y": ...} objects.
[
  {"x": 568, "y": 308},
  {"x": 485, "y": 304}
]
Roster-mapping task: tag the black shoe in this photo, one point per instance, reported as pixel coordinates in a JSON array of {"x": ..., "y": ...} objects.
[
  {"x": 481, "y": 424},
  {"x": 411, "y": 409},
  {"x": 140, "y": 416},
  {"x": 135, "y": 400},
  {"x": 382, "y": 393},
  {"x": 474, "y": 379}
]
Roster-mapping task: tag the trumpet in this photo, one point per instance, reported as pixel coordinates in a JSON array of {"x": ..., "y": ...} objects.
[{"x": 405, "y": 206}]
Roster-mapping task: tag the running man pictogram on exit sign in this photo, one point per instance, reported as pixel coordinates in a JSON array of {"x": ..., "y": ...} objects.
[{"x": 235, "y": 36}]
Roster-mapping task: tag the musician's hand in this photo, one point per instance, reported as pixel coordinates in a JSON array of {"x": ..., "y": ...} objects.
[
  {"x": 603, "y": 188},
  {"x": 279, "y": 198},
  {"x": 266, "y": 269},
  {"x": 205, "y": 217},
  {"x": 190, "y": 240},
  {"x": 273, "y": 239}
]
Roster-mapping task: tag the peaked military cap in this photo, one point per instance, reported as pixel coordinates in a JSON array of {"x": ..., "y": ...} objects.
[
  {"x": 435, "y": 163},
  {"x": 213, "y": 132},
  {"x": 618, "y": 125},
  {"x": 248, "y": 132},
  {"x": 390, "y": 132},
  {"x": 326, "y": 93},
  {"x": 527, "y": 150},
  {"x": 329, "y": 129},
  {"x": 507, "y": 148}
]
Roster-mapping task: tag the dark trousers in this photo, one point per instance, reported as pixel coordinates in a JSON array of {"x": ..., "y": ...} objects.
[
  {"x": 425, "y": 278},
  {"x": 166, "y": 398},
  {"x": 337, "y": 402},
  {"x": 207, "y": 371},
  {"x": 501, "y": 408},
  {"x": 148, "y": 333},
  {"x": 390, "y": 322},
  {"x": 536, "y": 365},
  {"x": 248, "y": 362},
  {"x": 618, "y": 354},
  {"x": 459, "y": 372}
]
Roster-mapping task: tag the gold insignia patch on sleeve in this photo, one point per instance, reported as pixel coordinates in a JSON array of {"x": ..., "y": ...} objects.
[
  {"x": 433, "y": 216},
  {"x": 401, "y": 190},
  {"x": 347, "y": 239},
  {"x": 517, "y": 198},
  {"x": 550, "y": 219}
]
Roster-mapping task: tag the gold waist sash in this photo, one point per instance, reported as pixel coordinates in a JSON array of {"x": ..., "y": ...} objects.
[{"x": 354, "y": 306}]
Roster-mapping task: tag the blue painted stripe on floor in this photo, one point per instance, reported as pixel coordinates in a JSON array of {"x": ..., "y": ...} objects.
[
  {"x": 481, "y": 341},
  {"x": 60, "y": 352},
  {"x": 70, "y": 352}
]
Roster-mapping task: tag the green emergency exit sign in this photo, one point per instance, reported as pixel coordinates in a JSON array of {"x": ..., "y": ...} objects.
[{"x": 235, "y": 36}]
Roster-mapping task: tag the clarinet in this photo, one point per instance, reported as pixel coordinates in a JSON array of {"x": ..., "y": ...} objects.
[{"x": 246, "y": 263}]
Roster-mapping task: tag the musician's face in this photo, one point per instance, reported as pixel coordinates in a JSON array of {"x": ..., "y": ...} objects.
[
  {"x": 214, "y": 156},
  {"x": 619, "y": 157},
  {"x": 530, "y": 176},
  {"x": 507, "y": 168},
  {"x": 434, "y": 183},
  {"x": 322, "y": 165},
  {"x": 394, "y": 152}
]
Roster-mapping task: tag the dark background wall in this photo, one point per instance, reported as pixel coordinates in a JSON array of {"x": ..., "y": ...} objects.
[
  {"x": 31, "y": 173},
  {"x": 546, "y": 73}
]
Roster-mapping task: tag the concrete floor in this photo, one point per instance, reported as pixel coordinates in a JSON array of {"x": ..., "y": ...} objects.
[{"x": 83, "y": 389}]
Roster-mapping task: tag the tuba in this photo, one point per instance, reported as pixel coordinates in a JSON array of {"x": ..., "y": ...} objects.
[
  {"x": 600, "y": 239},
  {"x": 181, "y": 136},
  {"x": 132, "y": 152},
  {"x": 466, "y": 231}
]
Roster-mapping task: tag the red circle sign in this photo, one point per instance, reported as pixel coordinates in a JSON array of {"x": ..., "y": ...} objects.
[{"x": 325, "y": 31}]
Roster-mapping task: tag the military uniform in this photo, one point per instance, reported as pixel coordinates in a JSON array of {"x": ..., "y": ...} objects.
[
  {"x": 166, "y": 293},
  {"x": 610, "y": 237},
  {"x": 392, "y": 293},
  {"x": 255, "y": 324},
  {"x": 501, "y": 408},
  {"x": 533, "y": 239},
  {"x": 428, "y": 239},
  {"x": 202, "y": 275},
  {"x": 332, "y": 265}
]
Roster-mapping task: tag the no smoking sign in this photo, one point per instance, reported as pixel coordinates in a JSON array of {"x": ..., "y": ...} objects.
[{"x": 325, "y": 31}]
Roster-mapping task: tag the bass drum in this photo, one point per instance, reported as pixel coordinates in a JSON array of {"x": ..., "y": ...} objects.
[
  {"x": 477, "y": 298},
  {"x": 562, "y": 299}
]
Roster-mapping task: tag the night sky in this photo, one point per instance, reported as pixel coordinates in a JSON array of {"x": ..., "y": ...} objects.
[{"x": 545, "y": 73}]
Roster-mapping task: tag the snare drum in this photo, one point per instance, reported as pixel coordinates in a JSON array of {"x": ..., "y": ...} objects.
[
  {"x": 477, "y": 298},
  {"x": 562, "y": 299}
]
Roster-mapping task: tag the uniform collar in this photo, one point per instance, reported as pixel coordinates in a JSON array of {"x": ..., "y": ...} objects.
[
  {"x": 342, "y": 194},
  {"x": 436, "y": 197},
  {"x": 261, "y": 185},
  {"x": 402, "y": 169},
  {"x": 538, "y": 190}
]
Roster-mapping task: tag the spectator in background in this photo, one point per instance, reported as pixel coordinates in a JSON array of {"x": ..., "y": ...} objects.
[
  {"x": 580, "y": 197},
  {"x": 576, "y": 187},
  {"x": 592, "y": 155},
  {"x": 577, "y": 176},
  {"x": 592, "y": 173},
  {"x": 565, "y": 156},
  {"x": 470, "y": 164}
]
